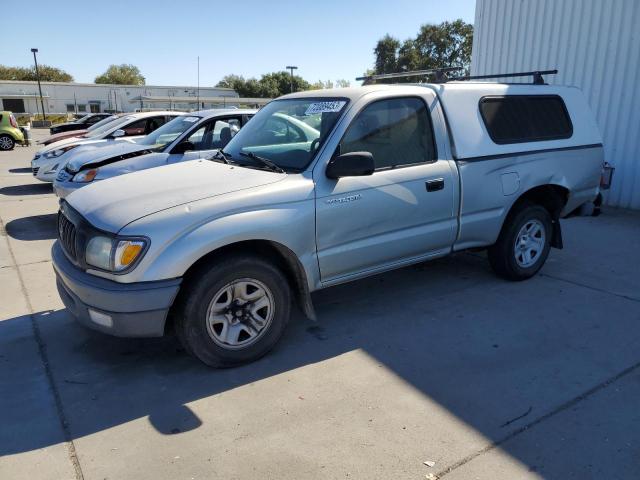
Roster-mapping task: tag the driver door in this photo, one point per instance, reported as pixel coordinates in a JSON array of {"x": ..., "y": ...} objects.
[{"x": 402, "y": 212}]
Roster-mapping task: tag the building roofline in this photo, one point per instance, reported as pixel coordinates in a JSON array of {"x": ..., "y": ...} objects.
[{"x": 113, "y": 85}]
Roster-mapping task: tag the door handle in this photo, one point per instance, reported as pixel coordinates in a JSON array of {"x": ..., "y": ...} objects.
[{"x": 435, "y": 184}]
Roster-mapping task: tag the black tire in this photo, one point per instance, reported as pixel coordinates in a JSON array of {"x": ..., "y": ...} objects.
[
  {"x": 191, "y": 312},
  {"x": 502, "y": 255},
  {"x": 7, "y": 142}
]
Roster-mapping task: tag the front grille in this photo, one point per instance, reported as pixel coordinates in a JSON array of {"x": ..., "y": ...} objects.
[
  {"x": 67, "y": 235},
  {"x": 35, "y": 170}
]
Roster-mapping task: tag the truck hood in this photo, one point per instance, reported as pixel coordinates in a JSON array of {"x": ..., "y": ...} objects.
[
  {"x": 113, "y": 203},
  {"x": 102, "y": 154}
]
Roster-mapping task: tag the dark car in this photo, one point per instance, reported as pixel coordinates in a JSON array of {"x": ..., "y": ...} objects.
[{"x": 80, "y": 124}]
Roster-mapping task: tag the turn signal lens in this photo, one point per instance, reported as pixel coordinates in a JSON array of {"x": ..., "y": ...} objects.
[{"x": 127, "y": 252}]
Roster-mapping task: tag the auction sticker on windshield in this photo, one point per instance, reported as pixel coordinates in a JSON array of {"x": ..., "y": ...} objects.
[
  {"x": 191, "y": 119},
  {"x": 325, "y": 107}
]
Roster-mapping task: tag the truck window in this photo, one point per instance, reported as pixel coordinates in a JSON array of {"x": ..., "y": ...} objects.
[
  {"x": 525, "y": 118},
  {"x": 396, "y": 131}
]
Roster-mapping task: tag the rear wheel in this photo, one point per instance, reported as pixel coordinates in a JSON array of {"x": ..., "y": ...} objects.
[
  {"x": 6, "y": 142},
  {"x": 234, "y": 312},
  {"x": 524, "y": 243}
]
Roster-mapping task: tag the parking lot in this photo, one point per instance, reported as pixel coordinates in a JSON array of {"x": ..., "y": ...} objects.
[{"x": 440, "y": 362}]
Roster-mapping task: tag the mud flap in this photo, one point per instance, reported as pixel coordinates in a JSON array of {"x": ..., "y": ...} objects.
[{"x": 556, "y": 237}]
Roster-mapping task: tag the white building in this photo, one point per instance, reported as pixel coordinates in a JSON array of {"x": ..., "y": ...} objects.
[
  {"x": 595, "y": 45},
  {"x": 22, "y": 97}
]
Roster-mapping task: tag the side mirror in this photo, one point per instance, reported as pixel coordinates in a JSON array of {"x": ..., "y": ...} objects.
[
  {"x": 353, "y": 164},
  {"x": 183, "y": 147},
  {"x": 118, "y": 133}
]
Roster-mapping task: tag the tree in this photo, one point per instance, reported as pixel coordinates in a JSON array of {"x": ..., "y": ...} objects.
[
  {"x": 435, "y": 46},
  {"x": 386, "y": 52},
  {"x": 270, "y": 85},
  {"x": 121, "y": 75},
  {"x": 47, "y": 74},
  {"x": 341, "y": 83}
]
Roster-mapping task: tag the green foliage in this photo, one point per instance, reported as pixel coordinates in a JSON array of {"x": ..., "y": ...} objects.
[
  {"x": 124, "y": 74},
  {"x": 47, "y": 74},
  {"x": 435, "y": 46},
  {"x": 270, "y": 85},
  {"x": 340, "y": 83}
]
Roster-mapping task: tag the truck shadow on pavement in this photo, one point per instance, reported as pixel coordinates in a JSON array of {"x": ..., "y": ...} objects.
[
  {"x": 496, "y": 355},
  {"x": 36, "y": 227}
]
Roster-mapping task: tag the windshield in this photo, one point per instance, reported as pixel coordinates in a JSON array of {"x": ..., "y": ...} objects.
[
  {"x": 102, "y": 122},
  {"x": 83, "y": 119},
  {"x": 107, "y": 127},
  {"x": 169, "y": 131},
  {"x": 287, "y": 132}
]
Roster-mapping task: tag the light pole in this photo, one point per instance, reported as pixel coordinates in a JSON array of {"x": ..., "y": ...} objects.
[
  {"x": 35, "y": 60},
  {"x": 291, "y": 68}
]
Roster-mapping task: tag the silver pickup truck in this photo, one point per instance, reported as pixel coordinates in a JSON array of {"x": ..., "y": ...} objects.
[{"x": 217, "y": 250}]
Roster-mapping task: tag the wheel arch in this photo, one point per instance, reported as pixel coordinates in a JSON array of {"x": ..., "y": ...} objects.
[
  {"x": 553, "y": 198},
  {"x": 283, "y": 257}
]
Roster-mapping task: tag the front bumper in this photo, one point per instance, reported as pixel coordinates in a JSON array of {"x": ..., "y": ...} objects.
[
  {"x": 120, "y": 309},
  {"x": 45, "y": 171}
]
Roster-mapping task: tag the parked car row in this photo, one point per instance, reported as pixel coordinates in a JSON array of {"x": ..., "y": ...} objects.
[
  {"x": 214, "y": 222},
  {"x": 56, "y": 137},
  {"x": 48, "y": 160},
  {"x": 186, "y": 137}
]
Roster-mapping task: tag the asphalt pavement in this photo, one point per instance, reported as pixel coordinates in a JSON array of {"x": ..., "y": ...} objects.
[{"x": 440, "y": 362}]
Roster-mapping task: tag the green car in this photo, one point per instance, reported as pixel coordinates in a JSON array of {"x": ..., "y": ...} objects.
[{"x": 9, "y": 131}]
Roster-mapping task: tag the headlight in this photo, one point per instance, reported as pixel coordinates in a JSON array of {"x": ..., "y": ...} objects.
[
  {"x": 98, "y": 252},
  {"x": 86, "y": 176},
  {"x": 59, "y": 151},
  {"x": 114, "y": 254}
]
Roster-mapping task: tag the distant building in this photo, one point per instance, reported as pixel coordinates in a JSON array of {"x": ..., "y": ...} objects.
[
  {"x": 23, "y": 97},
  {"x": 595, "y": 45}
]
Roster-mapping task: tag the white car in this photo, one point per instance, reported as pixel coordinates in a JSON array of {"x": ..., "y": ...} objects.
[
  {"x": 187, "y": 137},
  {"x": 49, "y": 160}
]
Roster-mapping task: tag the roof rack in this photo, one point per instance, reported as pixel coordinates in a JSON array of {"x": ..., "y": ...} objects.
[
  {"x": 439, "y": 73},
  {"x": 537, "y": 76}
]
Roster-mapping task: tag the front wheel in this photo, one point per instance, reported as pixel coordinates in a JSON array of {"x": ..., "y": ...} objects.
[
  {"x": 234, "y": 312},
  {"x": 524, "y": 243},
  {"x": 6, "y": 142}
]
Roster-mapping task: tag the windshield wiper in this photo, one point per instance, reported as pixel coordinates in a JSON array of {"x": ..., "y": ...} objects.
[
  {"x": 219, "y": 155},
  {"x": 267, "y": 163}
]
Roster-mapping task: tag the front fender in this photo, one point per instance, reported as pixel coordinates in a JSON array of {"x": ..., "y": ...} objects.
[{"x": 289, "y": 225}]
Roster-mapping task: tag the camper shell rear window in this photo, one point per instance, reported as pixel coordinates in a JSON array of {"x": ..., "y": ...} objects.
[{"x": 525, "y": 118}]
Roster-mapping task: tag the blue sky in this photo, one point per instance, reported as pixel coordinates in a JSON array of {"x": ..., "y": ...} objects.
[{"x": 326, "y": 39}]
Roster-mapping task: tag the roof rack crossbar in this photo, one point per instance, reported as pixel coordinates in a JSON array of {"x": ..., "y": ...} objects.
[
  {"x": 439, "y": 73},
  {"x": 537, "y": 76}
]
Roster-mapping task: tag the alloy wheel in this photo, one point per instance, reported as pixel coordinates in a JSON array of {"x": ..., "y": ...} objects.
[
  {"x": 530, "y": 243},
  {"x": 240, "y": 313}
]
